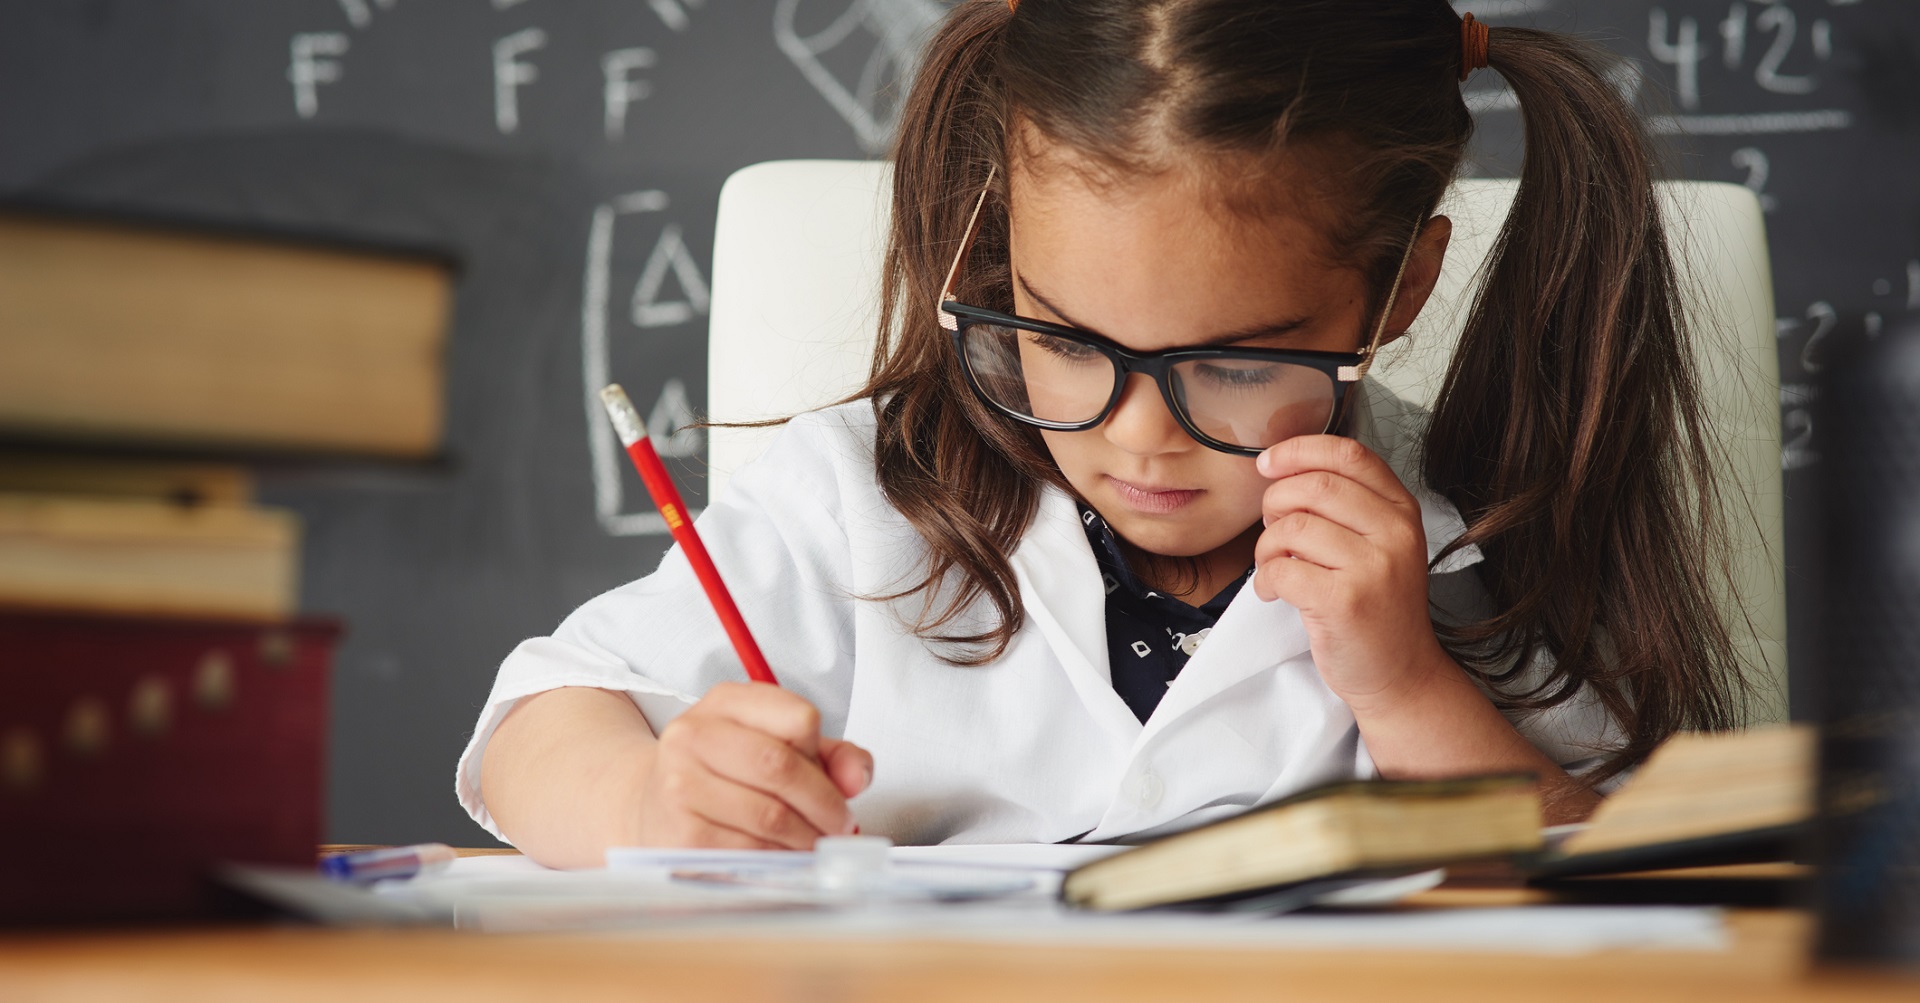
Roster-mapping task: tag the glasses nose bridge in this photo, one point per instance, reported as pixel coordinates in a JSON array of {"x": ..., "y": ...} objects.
[{"x": 1155, "y": 368}]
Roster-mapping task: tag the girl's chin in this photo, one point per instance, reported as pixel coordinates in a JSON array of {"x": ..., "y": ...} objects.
[{"x": 1170, "y": 537}]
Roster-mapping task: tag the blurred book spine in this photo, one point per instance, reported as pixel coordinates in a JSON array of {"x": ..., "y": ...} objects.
[
  {"x": 1869, "y": 836},
  {"x": 131, "y": 334},
  {"x": 140, "y": 556}
]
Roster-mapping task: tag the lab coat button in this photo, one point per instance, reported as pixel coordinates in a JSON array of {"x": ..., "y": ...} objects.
[{"x": 1148, "y": 789}]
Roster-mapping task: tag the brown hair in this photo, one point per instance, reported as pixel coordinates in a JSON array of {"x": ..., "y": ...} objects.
[{"x": 1568, "y": 431}]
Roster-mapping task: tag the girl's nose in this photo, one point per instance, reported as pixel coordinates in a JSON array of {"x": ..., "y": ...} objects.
[{"x": 1140, "y": 423}]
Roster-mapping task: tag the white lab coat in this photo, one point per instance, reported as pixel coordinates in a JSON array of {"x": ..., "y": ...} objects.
[{"x": 1035, "y": 747}]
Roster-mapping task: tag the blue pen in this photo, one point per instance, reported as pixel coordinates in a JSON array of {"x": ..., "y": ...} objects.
[{"x": 365, "y": 866}]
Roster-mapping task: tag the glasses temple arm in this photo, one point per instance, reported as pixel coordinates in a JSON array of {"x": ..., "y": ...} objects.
[
  {"x": 960, "y": 256},
  {"x": 1352, "y": 374}
]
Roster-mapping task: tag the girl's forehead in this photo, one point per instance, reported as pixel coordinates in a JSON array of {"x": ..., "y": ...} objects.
[
  {"x": 1153, "y": 258},
  {"x": 1302, "y": 180}
]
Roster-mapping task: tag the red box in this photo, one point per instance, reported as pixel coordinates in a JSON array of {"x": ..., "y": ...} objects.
[{"x": 136, "y": 753}]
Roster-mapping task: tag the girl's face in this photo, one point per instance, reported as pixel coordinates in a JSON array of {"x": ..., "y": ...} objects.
[{"x": 1154, "y": 263}]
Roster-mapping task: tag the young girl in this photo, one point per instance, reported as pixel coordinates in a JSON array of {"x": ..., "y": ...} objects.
[{"x": 1118, "y": 539}]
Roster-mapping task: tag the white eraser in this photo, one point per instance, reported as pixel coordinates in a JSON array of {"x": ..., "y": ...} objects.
[{"x": 851, "y": 861}]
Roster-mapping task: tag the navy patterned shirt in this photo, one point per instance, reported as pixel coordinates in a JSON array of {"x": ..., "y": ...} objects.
[{"x": 1149, "y": 636}]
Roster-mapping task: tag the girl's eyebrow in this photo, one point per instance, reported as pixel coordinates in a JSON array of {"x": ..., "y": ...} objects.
[{"x": 1255, "y": 333}]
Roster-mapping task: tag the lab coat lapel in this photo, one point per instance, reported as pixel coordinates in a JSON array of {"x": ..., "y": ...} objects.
[
  {"x": 1252, "y": 636},
  {"x": 1061, "y": 589}
]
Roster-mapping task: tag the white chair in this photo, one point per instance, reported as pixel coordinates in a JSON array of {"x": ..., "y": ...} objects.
[{"x": 796, "y": 266}]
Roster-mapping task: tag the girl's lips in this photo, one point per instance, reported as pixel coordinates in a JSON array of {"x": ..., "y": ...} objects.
[{"x": 1152, "y": 500}]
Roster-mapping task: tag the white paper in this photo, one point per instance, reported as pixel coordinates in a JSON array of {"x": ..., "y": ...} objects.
[
  {"x": 1040, "y": 856},
  {"x": 511, "y": 893},
  {"x": 1000, "y": 856}
]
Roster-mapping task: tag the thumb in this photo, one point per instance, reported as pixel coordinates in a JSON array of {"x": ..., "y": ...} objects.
[{"x": 849, "y": 766}]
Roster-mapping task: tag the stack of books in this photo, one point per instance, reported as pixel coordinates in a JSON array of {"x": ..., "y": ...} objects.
[
  {"x": 119, "y": 337},
  {"x": 163, "y": 708}
]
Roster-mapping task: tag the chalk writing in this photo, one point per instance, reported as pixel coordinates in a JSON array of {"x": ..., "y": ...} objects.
[
  {"x": 1764, "y": 35},
  {"x": 1682, "y": 52},
  {"x": 1765, "y": 123},
  {"x": 1759, "y": 169},
  {"x": 622, "y": 91},
  {"x": 1779, "y": 19},
  {"x": 673, "y": 13},
  {"x": 510, "y": 74},
  {"x": 670, "y": 254},
  {"x": 673, "y": 410},
  {"x": 308, "y": 67},
  {"x": 897, "y": 29},
  {"x": 360, "y": 12},
  {"x": 668, "y": 423}
]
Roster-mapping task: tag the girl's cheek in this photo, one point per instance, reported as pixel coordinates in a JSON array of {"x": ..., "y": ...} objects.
[
  {"x": 1069, "y": 451},
  {"x": 1240, "y": 487}
]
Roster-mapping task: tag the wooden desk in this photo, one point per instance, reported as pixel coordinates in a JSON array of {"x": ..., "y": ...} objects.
[{"x": 1767, "y": 962}]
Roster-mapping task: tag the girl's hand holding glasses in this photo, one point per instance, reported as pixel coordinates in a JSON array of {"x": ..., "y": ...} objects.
[{"x": 1343, "y": 543}]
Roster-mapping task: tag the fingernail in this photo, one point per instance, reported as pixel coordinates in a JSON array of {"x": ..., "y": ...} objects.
[
  {"x": 850, "y": 827},
  {"x": 868, "y": 771},
  {"x": 1264, "y": 462}
]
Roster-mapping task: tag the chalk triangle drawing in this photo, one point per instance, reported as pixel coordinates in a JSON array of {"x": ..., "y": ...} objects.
[
  {"x": 668, "y": 420},
  {"x": 670, "y": 254},
  {"x": 895, "y": 29}
]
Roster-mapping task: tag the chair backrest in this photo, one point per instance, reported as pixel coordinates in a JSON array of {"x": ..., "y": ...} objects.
[{"x": 796, "y": 266}]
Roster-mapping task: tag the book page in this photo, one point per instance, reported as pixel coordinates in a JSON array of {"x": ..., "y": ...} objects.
[{"x": 1700, "y": 785}]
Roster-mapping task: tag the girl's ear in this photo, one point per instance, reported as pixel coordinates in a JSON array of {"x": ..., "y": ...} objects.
[{"x": 1423, "y": 273}]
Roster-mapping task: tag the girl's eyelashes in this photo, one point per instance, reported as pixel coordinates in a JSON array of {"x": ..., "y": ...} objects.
[
  {"x": 1061, "y": 347},
  {"x": 1238, "y": 377}
]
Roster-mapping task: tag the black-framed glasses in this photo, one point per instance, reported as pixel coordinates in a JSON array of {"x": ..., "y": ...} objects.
[{"x": 1236, "y": 400}]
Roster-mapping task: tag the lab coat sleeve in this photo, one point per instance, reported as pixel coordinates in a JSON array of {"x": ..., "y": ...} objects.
[{"x": 777, "y": 537}]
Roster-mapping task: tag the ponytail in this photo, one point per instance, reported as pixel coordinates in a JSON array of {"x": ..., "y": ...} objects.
[{"x": 1569, "y": 429}]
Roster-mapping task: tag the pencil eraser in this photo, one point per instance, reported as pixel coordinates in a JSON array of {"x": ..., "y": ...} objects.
[
  {"x": 851, "y": 862},
  {"x": 626, "y": 421}
]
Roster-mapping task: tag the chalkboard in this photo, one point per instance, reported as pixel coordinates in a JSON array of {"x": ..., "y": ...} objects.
[{"x": 569, "y": 155}]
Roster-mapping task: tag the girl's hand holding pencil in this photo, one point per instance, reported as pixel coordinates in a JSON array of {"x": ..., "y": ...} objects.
[{"x": 747, "y": 768}]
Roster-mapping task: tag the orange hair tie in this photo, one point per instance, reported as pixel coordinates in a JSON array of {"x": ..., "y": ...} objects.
[
  {"x": 1013, "y": 6},
  {"x": 1473, "y": 45}
]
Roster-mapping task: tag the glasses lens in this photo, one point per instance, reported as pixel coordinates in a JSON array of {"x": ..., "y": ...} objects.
[
  {"x": 1253, "y": 402},
  {"x": 1039, "y": 375}
]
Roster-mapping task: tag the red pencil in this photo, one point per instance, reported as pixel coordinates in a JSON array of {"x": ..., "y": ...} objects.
[{"x": 633, "y": 434}]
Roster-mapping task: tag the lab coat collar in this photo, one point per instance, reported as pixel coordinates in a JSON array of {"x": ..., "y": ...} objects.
[{"x": 1064, "y": 599}]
